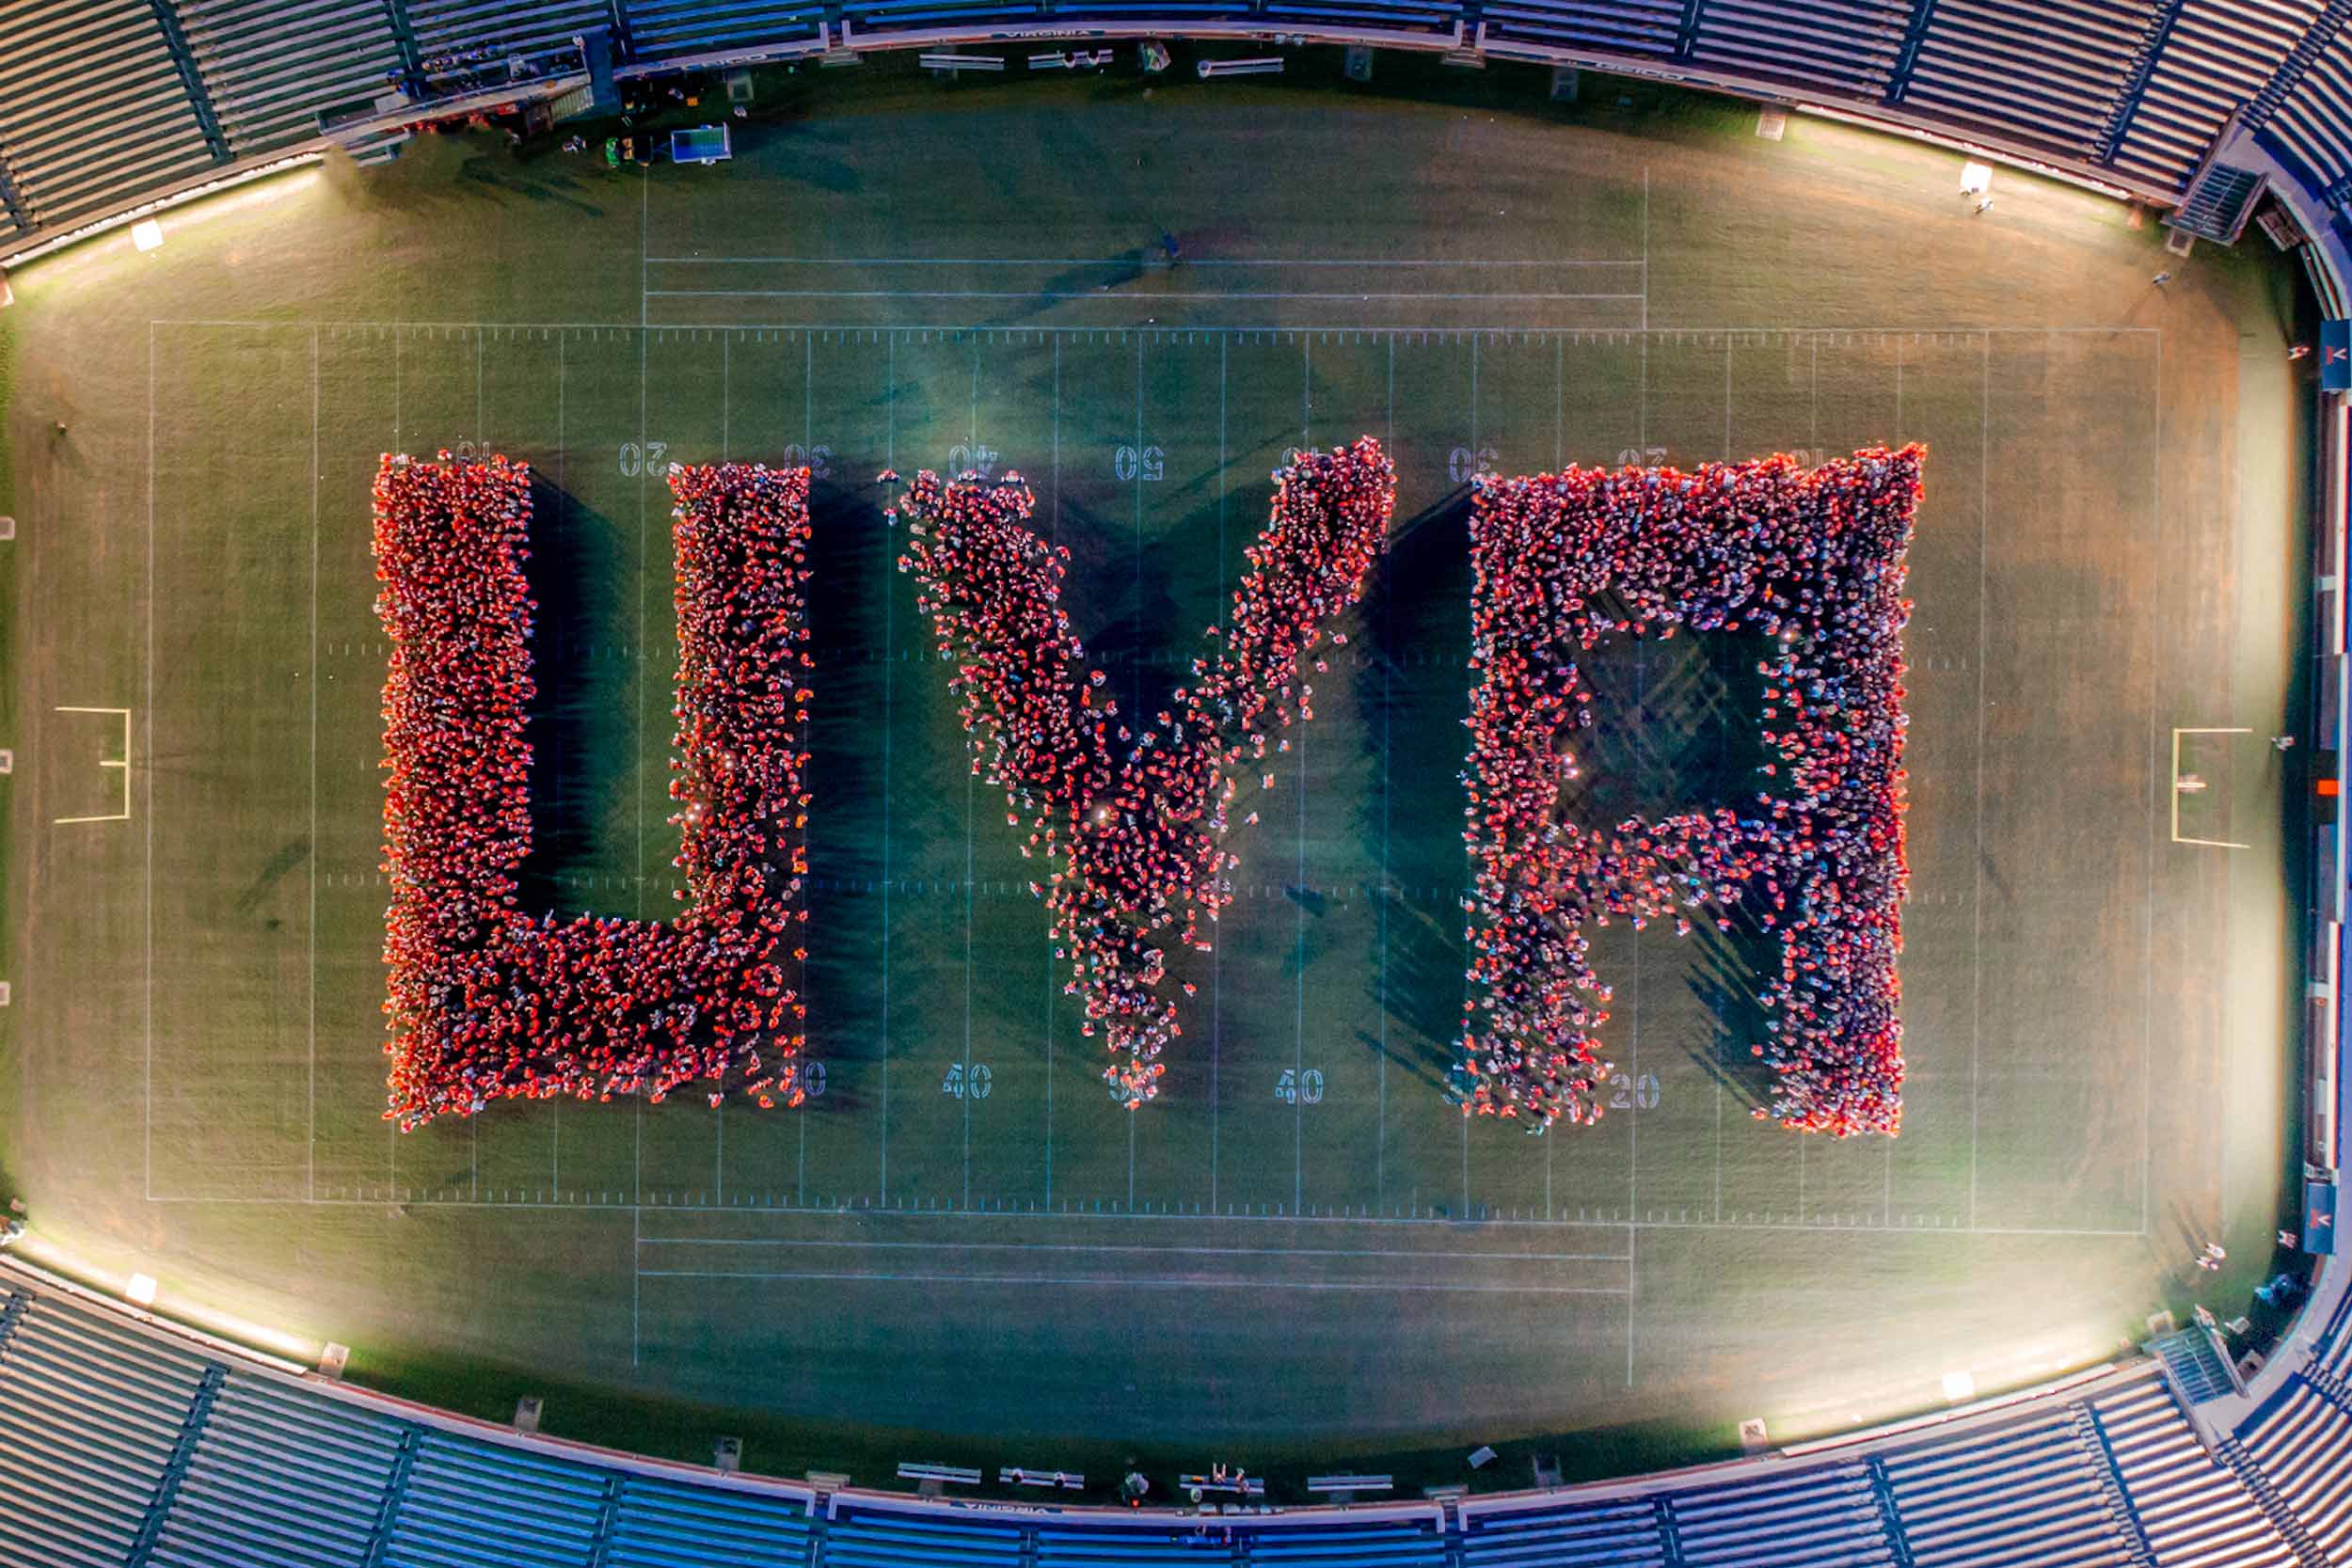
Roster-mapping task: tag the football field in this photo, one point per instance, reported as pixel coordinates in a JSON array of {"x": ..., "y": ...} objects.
[{"x": 961, "y": 1246}]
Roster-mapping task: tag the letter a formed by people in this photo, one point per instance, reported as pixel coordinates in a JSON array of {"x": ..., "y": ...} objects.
[{"x": 1808, "y": 566}]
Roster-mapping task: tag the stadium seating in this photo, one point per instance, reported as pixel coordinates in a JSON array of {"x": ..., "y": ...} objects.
[
  {"x": 1823, "y": 1515},
  {"x": 1850, "y": 45},
  {"x": 662, "y": 1524},
  {"x": 2048, "y": 72},
  {"x": 2315, "y": 124},
  {"x": 93, "y": 111},
  {"x": 2219, "y": 56},
  {"x": 1569, "y": 1533},
  {"x": 2022, "y": 1492},
  {"x": 2300, "y": 1442},
  {"x": 672, "y": 30},
  {"x": 122, "y": 1443},
  {"x": 2194, "y": 1512},
  {"x": 1634, "y": 27},
  {"x": 97, "y": 111},
  {"x": 271, "y": 65},
  {"x": 91, "y": 1419},
  {"x": 527, "y": 29},
  {"x": 281, "y": 1477}
]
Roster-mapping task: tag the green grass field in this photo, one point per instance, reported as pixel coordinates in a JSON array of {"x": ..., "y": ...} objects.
[{"x": 961, "y": 1247}]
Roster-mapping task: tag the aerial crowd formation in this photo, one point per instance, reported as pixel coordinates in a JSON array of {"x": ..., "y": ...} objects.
[
  {"x": 1811, "y": 562},
  {"x": 487, "y": 1001},
  {"x": 1129, "y": 813}
]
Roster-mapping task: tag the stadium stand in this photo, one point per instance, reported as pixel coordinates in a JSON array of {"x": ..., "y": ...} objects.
[
  {"x": 1825, "y": 1515},
  {"x": 2194, "y": 1512},
  {"x": 1850, "y": 45},
  {"x": 123, "y": 1440},
  {"x": 675, "y": 30},
  {"x": 281, "y": 1477},
  {"x": 105, "y": 103},
  {"x": 93, "y": 109},
  {"x": 2048, "y": 72},
  {"x": 272, "y": 64},
  {"x": 530, "y": 29},
  {"x": 2219, "y": 56}
]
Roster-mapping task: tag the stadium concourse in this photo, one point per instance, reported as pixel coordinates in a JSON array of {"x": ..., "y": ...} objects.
[{"x": 1472, "y": 241}]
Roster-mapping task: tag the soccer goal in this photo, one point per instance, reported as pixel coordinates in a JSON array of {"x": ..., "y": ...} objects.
[{"x": 2213, "y": 770}]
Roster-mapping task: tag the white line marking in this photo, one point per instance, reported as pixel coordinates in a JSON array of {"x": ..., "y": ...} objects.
[
  {"x": 890, "y": 655},
  {"x": 1457, "y": 331},
  {"x": 1139, "y": 262},
  {"x": 847, "y": 1210},
  {"x": 1975, "y": 1005},
  {"x": 1143, "y": 1282},
  {"x": 853, "y": 1244},
  {"x": 311, "y": 1140},
  {"x": 2148, "y": 905},
  {"x": 147, "y": 1003},
  {"x": 1098, "y": 294}
]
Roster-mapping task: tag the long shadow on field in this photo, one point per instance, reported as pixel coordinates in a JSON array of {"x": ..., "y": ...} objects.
[
  {"x": 582, "y": 743},
  {"x": 848, "y": 609},
  {"x": 1409, "y": 706}
]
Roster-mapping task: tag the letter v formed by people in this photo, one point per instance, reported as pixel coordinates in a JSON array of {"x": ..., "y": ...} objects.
[{"x": 1130, "y": 813}]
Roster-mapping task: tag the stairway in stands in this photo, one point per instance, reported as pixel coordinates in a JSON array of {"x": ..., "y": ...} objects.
[
  {"x": 2194, "y": 1365},
  {"x": 2218, "y": 199}
]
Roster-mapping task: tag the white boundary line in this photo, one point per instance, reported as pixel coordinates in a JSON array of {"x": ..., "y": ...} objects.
[
  {"x": 1156, "y": 1282},
  {"x": 1140, "y": 264},
  {"x": 867, "y": 1212},
  {"x": 1103, "y": 296},
  {"x": 872, "y": 331},
  {"x": 855, "y": 1244},
  {"x": 147, "y": 994}
]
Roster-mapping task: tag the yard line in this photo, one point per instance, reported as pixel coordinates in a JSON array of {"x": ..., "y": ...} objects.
[
  {"x": 2148, "y": 904},
  {"x": 1299, "y": 906},
  {"x": 1135, "y": 659},
  {"x": 1152, "y": 1282},
  {"x": 555, "y": 1104},
  {"x": 1139, "y": 262},
  {"x": 1645, "y": 255},
  {"x": 852, "y": 1244},
  {"x": 148, "y": 1004},
  {"x": 1975, "y": 1024},
  {"x": 890, "y": 653},
  {"x": 1514, "y": 298},
  {"x": 844, "y": 1209},
  {"x": 1216, "y": 951},
  {"x": 1055, "y": 527},
  {"x": 310, "y": 1143},
  {"x": 1455, "y": 330},
  {"x": 1388, "y": 791},
  {"x": 970, "y": 784},
  {"x": 636, "y": 1273}
]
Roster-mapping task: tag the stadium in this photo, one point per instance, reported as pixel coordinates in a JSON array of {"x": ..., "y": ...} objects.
[{"x": 1667, "y": 678}]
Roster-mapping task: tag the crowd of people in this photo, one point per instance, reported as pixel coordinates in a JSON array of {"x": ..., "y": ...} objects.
[
  {"x": 1129, "y": 812},
  {"x": 487, "y": 1001},
  {"x": 1813, "y": 562}
]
